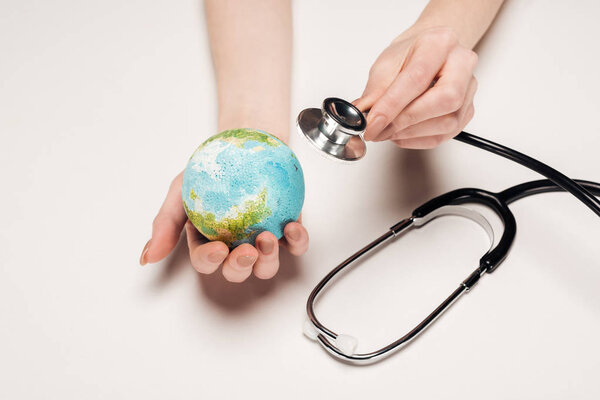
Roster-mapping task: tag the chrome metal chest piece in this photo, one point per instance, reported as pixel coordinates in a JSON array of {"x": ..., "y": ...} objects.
[{"x": 336, "y": 129}]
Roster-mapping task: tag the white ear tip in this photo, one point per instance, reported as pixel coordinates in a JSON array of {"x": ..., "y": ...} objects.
[
  {"x": 309, "y": 330},
  {"x": 347, "y": 344}
]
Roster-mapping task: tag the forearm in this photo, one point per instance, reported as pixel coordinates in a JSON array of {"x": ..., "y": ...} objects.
[
  {"x": 251, "y": 44},
  {"x": 470, "y": 19}
]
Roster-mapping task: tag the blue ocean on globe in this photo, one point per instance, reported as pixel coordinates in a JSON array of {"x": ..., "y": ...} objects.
[{"x": 240, "y": 183}]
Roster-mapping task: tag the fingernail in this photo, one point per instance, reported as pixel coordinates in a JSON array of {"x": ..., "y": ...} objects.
[
  {"x": 217, "y": 257},
  {"x": 143, "y": 260},
  {"x": 245, "y": 261},
  {"x": 266, "y": 246},
  {"x": 375, "y": 127},
  {"x": 293, "y": 234}
]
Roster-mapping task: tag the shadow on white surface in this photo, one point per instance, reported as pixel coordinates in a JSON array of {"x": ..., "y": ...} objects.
[
  {"x": 419, "y": 175},
  {"x": 233, "y": 297},
  {"x": 236, "y": 297},
  {"x": 173, "y": 265}
]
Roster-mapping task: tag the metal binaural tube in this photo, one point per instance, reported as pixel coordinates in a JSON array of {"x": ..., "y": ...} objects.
[{"x": 329, "y": 339}]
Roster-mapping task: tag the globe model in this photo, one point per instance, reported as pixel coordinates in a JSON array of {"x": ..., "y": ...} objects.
[{"x": 240, "y": 183}]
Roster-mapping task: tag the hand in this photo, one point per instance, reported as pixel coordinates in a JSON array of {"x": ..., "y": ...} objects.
[
  {"x": 206, "y": 257},
  {"x": 420, "y": 90}
]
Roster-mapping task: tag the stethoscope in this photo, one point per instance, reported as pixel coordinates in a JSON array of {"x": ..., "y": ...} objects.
[{"x": 336, "y": 129}]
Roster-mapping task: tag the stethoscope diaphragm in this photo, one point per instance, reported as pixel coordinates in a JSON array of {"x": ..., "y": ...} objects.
[{"x": 336, "y": 129}]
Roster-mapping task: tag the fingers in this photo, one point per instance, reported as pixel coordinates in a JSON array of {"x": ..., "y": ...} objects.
[
  {"x": 429, "y": 142},
  {"x": 381, "y": 75},
  {"x": 167, "y": 225},
  {"x": 205, "y": 256},
  {"x": 421, "y": 67},
  {"x": 448, "y": 94},
  {"x": 267, "y": 264},
  {"x": 468, "y": 104},
  {"x": 264, "y": 259},
  {"x": 443, "y": 125},
  {"x": 238, "y": 265},
  {"x": 422, "y": 143},
  {"x": 295, "y": 238}
]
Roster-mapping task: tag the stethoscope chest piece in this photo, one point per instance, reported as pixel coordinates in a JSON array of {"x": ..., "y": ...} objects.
[{"x": 336, "y": 129}]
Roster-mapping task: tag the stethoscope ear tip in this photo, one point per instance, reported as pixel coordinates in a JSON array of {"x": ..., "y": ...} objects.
[
  {"x": 345, "y": 344},
  {"x": 309, "y": 330}
]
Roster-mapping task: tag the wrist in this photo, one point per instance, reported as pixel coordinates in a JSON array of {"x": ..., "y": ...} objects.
[
  {"x": 421, "y": 25},
  {"x": 424, "y": 25},
  {"x": 467, "y": 35}
]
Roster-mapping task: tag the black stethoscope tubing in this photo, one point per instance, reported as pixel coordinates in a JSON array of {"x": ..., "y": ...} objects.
[
  {"x": 498, "y": 202},
  {"x": 555, "y": 176}
]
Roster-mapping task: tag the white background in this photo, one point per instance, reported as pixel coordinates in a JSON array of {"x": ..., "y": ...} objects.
[{"x": 101, "y": 104}]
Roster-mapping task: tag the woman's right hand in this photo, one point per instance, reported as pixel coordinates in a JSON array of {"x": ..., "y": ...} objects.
[{"x": 420, "y": 89}]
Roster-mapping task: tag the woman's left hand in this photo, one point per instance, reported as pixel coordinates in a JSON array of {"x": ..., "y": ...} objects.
[
  {"x": 205, "y": 256},
  {"x": 420, "y": 90}
]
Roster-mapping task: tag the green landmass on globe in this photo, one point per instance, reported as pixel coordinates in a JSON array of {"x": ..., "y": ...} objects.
[
  {"x": 239, "y": 137},
  {"x": 233, "y": 228},
  {"x": 241, "y": 182}
]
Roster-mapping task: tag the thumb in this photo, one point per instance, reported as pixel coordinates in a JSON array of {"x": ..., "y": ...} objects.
[
  {"x": 167, "y": 225},
  {"x": 381, "y": 75},
  {"x": 375, "y": 88}
]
